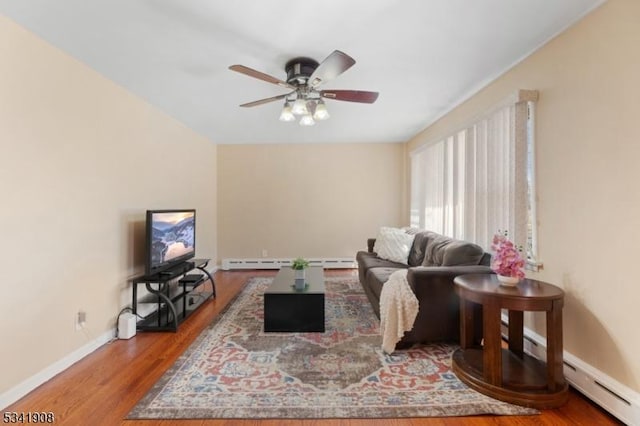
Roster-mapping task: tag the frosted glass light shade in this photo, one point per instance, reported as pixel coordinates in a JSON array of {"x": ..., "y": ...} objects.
[
  {"x": 286, "y": 114},
  {"x": 321, "y": 112},
  {"x": 300, "y": 107},
  {"x": 307, "y": 120}
]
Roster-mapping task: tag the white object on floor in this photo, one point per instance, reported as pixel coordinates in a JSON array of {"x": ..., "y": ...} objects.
[{"x": 126, "y": 326}]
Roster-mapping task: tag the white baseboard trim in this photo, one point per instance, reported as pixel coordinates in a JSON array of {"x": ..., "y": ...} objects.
[
  {"x": 17, "y": 392},
  {"x": 616, "y": 398},
  {"x": 267, "y": 263}
]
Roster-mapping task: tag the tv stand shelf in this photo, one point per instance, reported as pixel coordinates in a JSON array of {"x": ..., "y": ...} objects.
[{"x": 176, "y": 294}]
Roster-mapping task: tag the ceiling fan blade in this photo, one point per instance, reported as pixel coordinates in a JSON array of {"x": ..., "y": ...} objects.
[
  {"x": 334, "y": 65},
  {"x": 265, "y": 101},
  {"x": 350, "y": 95},
  {"x": 260, "y": 75}
]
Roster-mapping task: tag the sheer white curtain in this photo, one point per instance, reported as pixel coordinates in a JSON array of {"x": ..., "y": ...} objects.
[{"x": 473, "y": 183}]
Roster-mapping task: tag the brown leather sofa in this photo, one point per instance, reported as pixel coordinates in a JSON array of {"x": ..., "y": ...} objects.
[{"x": 434, "y": 261}]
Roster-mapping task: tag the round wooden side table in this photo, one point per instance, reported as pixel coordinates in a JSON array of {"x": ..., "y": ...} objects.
[{"x": 509, "y": 374}]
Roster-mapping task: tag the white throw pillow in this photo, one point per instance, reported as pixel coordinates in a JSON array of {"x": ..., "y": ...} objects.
[{"x": 393, "y": 244}]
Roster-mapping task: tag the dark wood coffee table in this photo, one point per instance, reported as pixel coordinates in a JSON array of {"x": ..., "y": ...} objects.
[
  {"x": 289, "y": 310},
  {"x": 510, "y": 374}
]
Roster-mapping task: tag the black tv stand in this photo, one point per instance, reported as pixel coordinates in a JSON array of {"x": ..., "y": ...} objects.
[{"x": 174, "y": 294}]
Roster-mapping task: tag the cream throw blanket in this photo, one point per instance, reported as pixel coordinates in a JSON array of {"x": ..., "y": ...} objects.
[{"x": 398, "y": 309}]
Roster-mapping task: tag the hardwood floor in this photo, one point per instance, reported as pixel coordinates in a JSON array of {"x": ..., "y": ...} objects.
[{"x": 102, "y": 388}]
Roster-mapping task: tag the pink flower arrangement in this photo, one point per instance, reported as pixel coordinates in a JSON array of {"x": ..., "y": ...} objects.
[{"x": 507, "y": 260}]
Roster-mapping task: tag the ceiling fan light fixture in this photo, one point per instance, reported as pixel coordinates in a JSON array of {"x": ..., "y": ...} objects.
[
  {"x": 286, "y": 114},
  {"x": 307, "y": 120},
  {"x": 300, "y": 107},
  {"x": 304, "y": 76},
  {"x": 321, "y": 112}
]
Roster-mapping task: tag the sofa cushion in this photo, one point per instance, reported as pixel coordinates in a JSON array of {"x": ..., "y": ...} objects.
[
  {"x": 420, "y": 241},
  {"x": 461, "y": 253},
  {"x": 434, "y": 252},
  {"x": 376, "y": 277},
  {"x": 393, "y": 244},
  {"x": 444, "y": 251}
]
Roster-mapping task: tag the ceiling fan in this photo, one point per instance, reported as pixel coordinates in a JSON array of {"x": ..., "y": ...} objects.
[{"x": 304, "y": 76}]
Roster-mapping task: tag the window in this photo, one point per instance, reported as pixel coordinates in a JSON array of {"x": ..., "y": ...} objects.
[{"x": 480, "y": 179}]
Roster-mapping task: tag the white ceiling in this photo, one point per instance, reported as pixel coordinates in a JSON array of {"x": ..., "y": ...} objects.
[{"x": 423, "y": 56}]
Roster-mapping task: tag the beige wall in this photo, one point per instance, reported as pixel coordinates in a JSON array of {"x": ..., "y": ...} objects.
[
  {"x": 588, "y": 194},
  {"x": 81, "y": 159},
  {"x": 306, "y": 200}
]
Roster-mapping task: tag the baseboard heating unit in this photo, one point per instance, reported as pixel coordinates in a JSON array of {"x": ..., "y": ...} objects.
[
  {"x": 267, "y": 263},
  {"x": 611, "y": 395}
]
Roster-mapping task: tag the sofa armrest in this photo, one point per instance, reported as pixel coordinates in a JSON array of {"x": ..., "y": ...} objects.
[{"x": 370, "y": 243}]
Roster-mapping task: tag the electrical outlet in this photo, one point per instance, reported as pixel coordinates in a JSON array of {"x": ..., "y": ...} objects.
[
  {"x": 81, "y": 319},
  {"x": 264, "y": 253}
]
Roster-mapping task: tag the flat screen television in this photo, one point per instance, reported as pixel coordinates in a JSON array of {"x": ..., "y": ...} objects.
[{"x": 171, "y": 239}]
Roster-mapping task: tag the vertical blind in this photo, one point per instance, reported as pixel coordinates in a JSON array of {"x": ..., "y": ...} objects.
[{"x": 473, "y": 183}]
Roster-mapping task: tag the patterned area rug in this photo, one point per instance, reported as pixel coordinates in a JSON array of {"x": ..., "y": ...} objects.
[{"x": 235, "y": 370}]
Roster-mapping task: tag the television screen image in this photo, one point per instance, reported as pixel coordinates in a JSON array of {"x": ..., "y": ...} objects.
[{"x": 171, "y": 238}]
